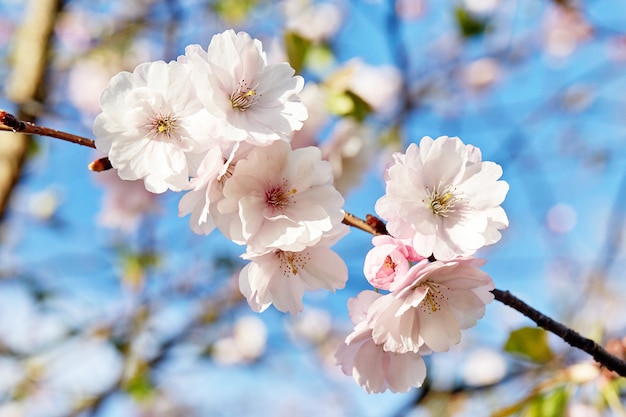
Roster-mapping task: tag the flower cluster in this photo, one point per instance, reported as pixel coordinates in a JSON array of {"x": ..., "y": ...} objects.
[
  {"x": 442, "y": 204},
  {"x": 217, "y": 124}
]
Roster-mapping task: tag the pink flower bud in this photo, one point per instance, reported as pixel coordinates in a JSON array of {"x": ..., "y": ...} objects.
[{"x": 388, "y": 258}]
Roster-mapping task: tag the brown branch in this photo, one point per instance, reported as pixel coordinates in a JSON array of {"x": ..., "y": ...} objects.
[
  {"x": 570, "y": 336},
  {"x": 8, "y": 122},
  {"x": 374, "y": 226}
]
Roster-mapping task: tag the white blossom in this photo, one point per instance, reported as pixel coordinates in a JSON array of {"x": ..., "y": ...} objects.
[
  {"x": 443, "y": 198},
  {"x": 151, "y": 122}
]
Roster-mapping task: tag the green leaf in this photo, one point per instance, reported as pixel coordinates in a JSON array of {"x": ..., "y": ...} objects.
[
  {"x": 297, "y": 48},
  {"x": 234, "y": 11},
  {"x": 550, "y": 404},
  {"x": 140, "y": 387},
  {"x": 469, "y": 25},
  {"x": 530, "y": 342}
]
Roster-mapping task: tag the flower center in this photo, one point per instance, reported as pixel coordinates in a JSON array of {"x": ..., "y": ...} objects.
[
  {"x": 279, "y": 197},
  {"x": 244, "y": 97},
  {"x": 292, "y": 262},
  {"x": 432, "y": 301},
  {"x": 389, "y": 263},
  {"x": 442, "y": 200},
  {"x": 162, "y": 125}
]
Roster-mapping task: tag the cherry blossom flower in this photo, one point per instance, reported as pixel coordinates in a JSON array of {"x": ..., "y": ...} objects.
[
  {"x": 281, "y": 277},
  {"x": 443, "y": 198},
  {"x": 205, "y": 189},
  {"x": 430, "y": 305},
  {"x": 373, "y": 368},
  {"x": 150, "y": 121},
  {"x": 279, "y": 199},
  {"x": 252, "y": 101},
  {"x": 388, "y": 259}
]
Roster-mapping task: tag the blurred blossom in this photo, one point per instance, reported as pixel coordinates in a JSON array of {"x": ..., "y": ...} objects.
[
  {"x": 565, "y": 28},
  {"x": 578, "y": 409},
  {"x": 314, "y": 97},
  {"x": 583, "y": 372},
  {"x": 483, "y": 367},
  {"x": 82, "y": 367},
  {"x": 163, "y": 405},
  {"x": 313, "y": 325},
  {"x": 313, "y": 21},
  {"x": 11, "y": 373},
  {"x": 481, "y": 6},
  {"x": 23, "y": 327},
  {"x": 12, "y": 409},
  {"x": 246, "y": 344},
  {"x": 561, "y": 218},
  {"x": 275, "y": 51},
  {"x": 617, "y": 48},
  {"x": 378, "y": 86},
  {"x": 250, "y": 336},
  {"x": 87, "y": 80},
  {"x": 481, "y": 73},
  {"x": 44, "y": 204},
  {"x": 410, "y": 9},
  {"x": 349, "y": 152},
  {"x": 75, "y": 31},
  {"x": 578, "y": 97},
  {"x": 124, "y": 203}
]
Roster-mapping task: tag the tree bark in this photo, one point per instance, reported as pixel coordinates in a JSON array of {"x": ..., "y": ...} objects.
[{"x": 26, "y": 88}]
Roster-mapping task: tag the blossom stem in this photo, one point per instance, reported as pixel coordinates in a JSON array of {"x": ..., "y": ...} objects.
[
  {"x": 372, "y": 225},
  {"x": 8, "y": 122},
  {"x": 570, "y": 336}
]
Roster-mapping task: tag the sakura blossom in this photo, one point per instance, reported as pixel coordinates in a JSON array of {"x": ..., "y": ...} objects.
[
  {"x": 388, "y": 259},
  {"x": 372, "y": 367},
  {"x": 151, "y": 122},
  {"x": 430, "y": 305},
  {"x": 443, "y": 198},
  {"x": 251, "y": 100},
  {"x": 279, "y": 199},
  {"x": 281, "y": 277},
  {"x": 205, "y": 189}
]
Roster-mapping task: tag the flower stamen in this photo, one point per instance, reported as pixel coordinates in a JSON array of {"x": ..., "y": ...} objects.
[
  {"x": 292, "y": 262},
  {"x": 163, "y": 125},
  {"x": 279, "y": 197},
  {"x": 244, "y": 97},
  {"x": 433, "y": 295},
  {"x": 442, "y": 201}
]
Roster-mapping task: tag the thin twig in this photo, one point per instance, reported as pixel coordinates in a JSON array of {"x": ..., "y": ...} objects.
[
  {"x": 375, "y": 226},
  {"x": 372, "y": 225},
  {"x": 10, "y": 123}
]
